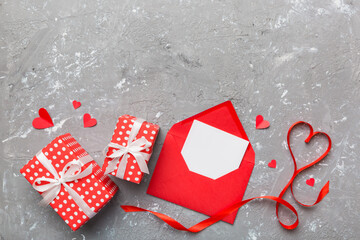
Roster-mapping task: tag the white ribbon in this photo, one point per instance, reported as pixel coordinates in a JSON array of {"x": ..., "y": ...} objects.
[
  {"x": 134, "y": 148},
  {"x": 70, "y": 172}
]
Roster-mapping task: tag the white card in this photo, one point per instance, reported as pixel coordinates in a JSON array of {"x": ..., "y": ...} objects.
[{"x": 211, "y": 152}]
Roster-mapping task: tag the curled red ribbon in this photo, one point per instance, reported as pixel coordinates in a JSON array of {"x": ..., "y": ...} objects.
[{"x": 223, "y": 213}]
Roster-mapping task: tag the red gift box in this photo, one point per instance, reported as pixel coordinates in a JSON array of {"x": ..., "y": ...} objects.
[
  {"x": 69, "y": 180},
  {"x": 130, "y": 148}
]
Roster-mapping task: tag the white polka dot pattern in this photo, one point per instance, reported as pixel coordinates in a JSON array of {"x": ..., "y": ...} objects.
[
  {"x": 121, "y": 134},
  {"x": 67, "y": 149}
]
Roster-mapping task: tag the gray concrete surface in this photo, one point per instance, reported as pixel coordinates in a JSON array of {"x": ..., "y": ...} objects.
[{"x": 167, "y": 60}]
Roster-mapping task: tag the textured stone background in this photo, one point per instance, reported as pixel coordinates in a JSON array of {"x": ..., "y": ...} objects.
[{"x": 165, "y": 61}]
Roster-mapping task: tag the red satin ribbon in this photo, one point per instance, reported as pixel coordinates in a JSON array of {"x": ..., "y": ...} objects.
[{"x": 225, "y": 212}]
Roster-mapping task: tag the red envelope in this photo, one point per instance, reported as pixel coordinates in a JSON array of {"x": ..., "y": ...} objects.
[{"x": 173, "y": 181}]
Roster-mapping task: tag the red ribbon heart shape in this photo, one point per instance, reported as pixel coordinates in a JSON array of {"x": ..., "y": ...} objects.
[
  {"x": 88, "y": 121},
  {"x": 223, "y": 213},
  {"x": 272, "y": 164},
  {"x": 261, "y": 123},
  {"x": 310, "y": 182},
  {"x": 43, "y": 121},
  {"x": 325, "y": 189},
  {"x": 76, "y": 104}
]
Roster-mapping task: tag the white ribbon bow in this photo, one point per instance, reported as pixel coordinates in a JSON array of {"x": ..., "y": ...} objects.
[
  {"x": 134, "y": 148},
  {"x": 70, "y": 172}
]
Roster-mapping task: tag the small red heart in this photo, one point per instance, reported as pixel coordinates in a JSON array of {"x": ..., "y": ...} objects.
[
  {"x": 76, "y": 104},
  {"x": 261, "y": 123},
  {"x": 44, "y": 121},
  {"x": 272, "y": 164},
  {"x": 88, "y": 121},
  {"x": 310, "y": 182}
]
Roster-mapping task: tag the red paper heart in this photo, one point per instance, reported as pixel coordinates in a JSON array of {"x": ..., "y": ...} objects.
[
  {"x": 88, "y": 121},
  {"x": 310, "y": 182},
  {"x": 76, "y": 104},
  {"x": 44, "y": 121},
  {"x": 261, "y": 123},
  {"x": 272, "y": 164}
]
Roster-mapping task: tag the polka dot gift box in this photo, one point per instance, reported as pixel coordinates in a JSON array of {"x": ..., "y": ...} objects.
[
  {"x": 69, "y": 180},
  {"x": 130, "y": 148}
]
